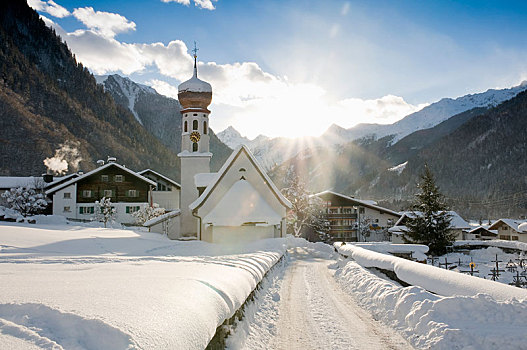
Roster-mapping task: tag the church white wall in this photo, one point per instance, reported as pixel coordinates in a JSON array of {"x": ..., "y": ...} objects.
[
  {"x": 169, "y": 227},
  {"x": 190, "y": 165},
  {"x": 239, "y": 234},
  {"x": 166, "y": 199},
  {"x": 232, "y": 175}
]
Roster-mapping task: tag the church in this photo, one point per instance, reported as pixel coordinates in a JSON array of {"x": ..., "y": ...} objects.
[{"x": 239, "y": 202}]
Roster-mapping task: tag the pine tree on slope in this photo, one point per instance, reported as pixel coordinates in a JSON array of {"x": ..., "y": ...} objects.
[{"x": 430, "y": 221}]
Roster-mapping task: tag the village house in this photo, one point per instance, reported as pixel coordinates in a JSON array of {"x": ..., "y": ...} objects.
[
  {"x": 511, "y": 230},
  {"x": 128, "y": 191},
  {"x": 458, "y": 226},
  {"x": 346, "y": 215},
  {"x": 167, "y": 191},
  {"x": 482, "y": 233}
]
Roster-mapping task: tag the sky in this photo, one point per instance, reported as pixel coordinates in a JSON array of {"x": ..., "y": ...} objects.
[{"x": 291, "y": 67}]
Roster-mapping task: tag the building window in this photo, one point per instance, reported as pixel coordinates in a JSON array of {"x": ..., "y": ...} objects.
[
  {"x": 107, "y": 193},
  {"x": 346, "y": 210},
  {"x": 505, "y": 228},
  {"x": 86, "y": 210},
  {"x": 86, "y": 193},
  {"x": 505, "y": 237},
  {"x": 195, "y": 114},
  {"x": 104, "y": 178},
  {"x": 67, "y": 209},
  {"x": 514, "y": 238},
  {"x": 118, "y": 178},
  {"x": 204, "y": 127},
  {"x": 194, "y": 125},
  {"x": 361, "y": 210},
  {"x": 195, "y": 147},
  {"x": 132, "y": 209},
  {"x": 333, "y": 210},
  {"x": 67, "y": 195},
  {"x": 185, "y": 126},
  {"x": 132, "y": 193}
]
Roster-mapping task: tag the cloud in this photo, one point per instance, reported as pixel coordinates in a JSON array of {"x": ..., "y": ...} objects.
[
  {"x": 106, "y": 23},
  {"x": 204, "y": 4},
  {"x": 50, "y": 7},
  {"x": 244, "y": 94}
]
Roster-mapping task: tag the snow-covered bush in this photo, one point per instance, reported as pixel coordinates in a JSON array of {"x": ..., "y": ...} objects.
[
  {"x": 26, "y": 201},
  {"x": 104, "y": 211},
  {"x": 149, "y": 212}
]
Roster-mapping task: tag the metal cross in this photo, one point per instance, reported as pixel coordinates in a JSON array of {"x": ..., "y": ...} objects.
[{"x": 195, "y": 50}]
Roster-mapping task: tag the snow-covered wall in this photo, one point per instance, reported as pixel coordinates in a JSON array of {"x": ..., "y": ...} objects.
[{"x": 433, "y": 279}]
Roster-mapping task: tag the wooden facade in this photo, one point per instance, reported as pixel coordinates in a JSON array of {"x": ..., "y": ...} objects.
[{"x": 124, "y": 187}]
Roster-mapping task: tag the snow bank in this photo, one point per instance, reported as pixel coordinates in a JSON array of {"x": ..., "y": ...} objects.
[
  {"x": 418, "y": 250},
  {"x": 433, "y": 279},
  {"x": 315, "y": 250},
  {"x": 141, "y": 287},
  {"x": 494, "y": 243},
  {"x": 430, "y": 321}
]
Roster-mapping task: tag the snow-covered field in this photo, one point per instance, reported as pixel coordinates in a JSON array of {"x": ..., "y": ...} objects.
[{"x": 77, "y": 287}]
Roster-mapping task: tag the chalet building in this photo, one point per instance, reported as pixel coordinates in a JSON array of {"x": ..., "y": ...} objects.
[
  {"x": 511, "y": 230},
  {"x": 481, "y": 233},
  {"x": 345, "y": 215},
  {"x": 128, "y": 191},
  {"x": 458, "y": 226},
  {"x": 167, "y": 191}
]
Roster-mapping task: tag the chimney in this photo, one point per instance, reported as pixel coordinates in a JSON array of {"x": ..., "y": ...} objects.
[
  {"x": 47, "y": 178},
  {"x": 112, "y": 159},
  {"x": 100, "y": 162}
]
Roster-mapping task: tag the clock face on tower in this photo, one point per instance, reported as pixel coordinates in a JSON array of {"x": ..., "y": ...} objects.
[{"x": 195, "y": 136}]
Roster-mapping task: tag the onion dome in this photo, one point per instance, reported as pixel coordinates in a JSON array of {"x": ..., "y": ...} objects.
[{"x": 195, "y": 93}]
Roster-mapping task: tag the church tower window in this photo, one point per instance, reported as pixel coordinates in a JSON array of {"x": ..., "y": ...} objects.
[
  {"x": 194, "y": 147},
  {"x": 195, "y": 125},
  {"x": 205, "y": 127},
  {"x": 185, "y": 127}
]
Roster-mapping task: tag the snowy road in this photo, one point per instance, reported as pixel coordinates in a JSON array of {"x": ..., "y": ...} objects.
[{"x": 316, "y": 314}]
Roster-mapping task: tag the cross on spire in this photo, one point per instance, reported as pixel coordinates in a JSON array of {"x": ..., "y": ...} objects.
[{"x": 195, "y": 51}]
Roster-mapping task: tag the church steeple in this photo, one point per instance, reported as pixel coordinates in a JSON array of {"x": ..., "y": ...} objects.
[{"x": 194, "y": 95}]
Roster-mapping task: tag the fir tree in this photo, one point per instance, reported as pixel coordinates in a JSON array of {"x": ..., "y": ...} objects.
[{"x": 430, "y": 221}]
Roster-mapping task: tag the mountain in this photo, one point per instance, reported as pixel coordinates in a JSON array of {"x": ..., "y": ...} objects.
[
  {"x": 271, "y": 151},
  {"x": 51, "y": 104},
  {"x": 477, "y": 156},
  {"x": 160, "y": 115},
  {"x": 431, "y": 115},
  {"x": 232, "y": 138}
]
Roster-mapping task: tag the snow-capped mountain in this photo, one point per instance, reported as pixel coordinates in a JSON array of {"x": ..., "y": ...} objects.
[
  {"x": 124, "y": 88},
  {"x": 427, "y": 117},
  {"x": 156, "y": 113},
  {"x": 232, "y": 138},
  {"x": 271, "y": 151}
]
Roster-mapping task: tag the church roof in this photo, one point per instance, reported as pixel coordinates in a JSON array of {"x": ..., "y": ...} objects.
[
  {"x": 194, "y": 84},
  {"x": 221, "y": 173}
]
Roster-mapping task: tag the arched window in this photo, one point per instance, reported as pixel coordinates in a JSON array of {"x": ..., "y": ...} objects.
[
  {"x": 195, "y": 147},
  {"x": 204, "y": 127},
  {"x": 185, "y": 127},
  {"x": 195, "y": 125}
]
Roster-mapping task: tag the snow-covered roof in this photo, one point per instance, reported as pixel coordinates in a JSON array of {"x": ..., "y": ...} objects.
[
  {"x": 161, "y": 176},
  {"x": 96, "y": 170},
  {"x": 486, "y": 228},
  {"x": 204, "y": 179},
  {"x": 228, "y": 163},
  {"x": 242, "y": 204},
  {"x": 195, "y": 84},
  {"x": 18, "y": 181},
  {"x": 457, "y": 222},
  {"x": 398, "y": 230},
  {"x": 514, "y": 224},
  {"x": 364, "y": 202},
  {"x": 161, "y": 218}
]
